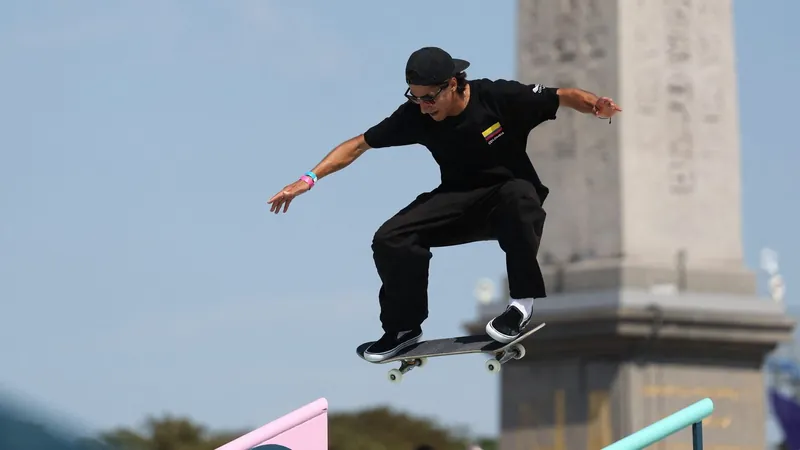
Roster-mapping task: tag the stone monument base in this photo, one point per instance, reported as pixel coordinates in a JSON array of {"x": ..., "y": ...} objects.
[{"x": 609, "y": 364}]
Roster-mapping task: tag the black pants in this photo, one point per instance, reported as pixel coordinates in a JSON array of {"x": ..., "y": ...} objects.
[{"x": 510, "y": 213}]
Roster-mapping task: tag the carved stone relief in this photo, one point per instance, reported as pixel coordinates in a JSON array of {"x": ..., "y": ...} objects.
[
  {"x": 711, "y": 53},
  {"x": 531, "y": 9},
  {"x": 680, "y": 137},
  {"x": 677, "y": 18},
  {"x": 680, "y": 96},
  {"x": 534, "y": 44},
  {"x": 536, "y": 52},
  {"x": 594, "y": 9},
  {"x": 648, "y": 52},
  {"x": 568, "y": 7},
  {"x": 566, "y": 41},
  {"x": 595, "y": 42},
  {"x": 596, "y": 29}
]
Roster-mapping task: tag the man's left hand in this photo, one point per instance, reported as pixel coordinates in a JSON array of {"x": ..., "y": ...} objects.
[{"x": 605, "y": 108}]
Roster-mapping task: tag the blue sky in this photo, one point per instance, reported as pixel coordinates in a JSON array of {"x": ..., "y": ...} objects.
[{"x": 140, "y": 269}]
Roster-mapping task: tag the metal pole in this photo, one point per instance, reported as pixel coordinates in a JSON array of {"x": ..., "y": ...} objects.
[
  {"x": 675, "y": 422},
  {"x": 697, "y": 436}
]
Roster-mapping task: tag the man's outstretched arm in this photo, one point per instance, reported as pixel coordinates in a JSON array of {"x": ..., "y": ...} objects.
[
  {"x": 341, "y": 156},
  {"x": 337, "y": 159},
  {"x": 587, "y": 103}
]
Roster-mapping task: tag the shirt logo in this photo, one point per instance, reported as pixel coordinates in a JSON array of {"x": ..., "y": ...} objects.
[
  {"x": 493, "y": 132},
  {"x": 537, "y": 88}
]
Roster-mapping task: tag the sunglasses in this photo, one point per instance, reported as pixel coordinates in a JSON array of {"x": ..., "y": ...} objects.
[{"x": 427, "y": 98}]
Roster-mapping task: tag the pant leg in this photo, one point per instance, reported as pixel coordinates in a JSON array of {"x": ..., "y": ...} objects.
[
  {"x": 517, "y": 222},
  {"x": 401, "y": 250}
]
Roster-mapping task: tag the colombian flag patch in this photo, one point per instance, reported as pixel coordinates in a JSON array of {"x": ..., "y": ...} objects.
[{"x": 493, "y": 132}]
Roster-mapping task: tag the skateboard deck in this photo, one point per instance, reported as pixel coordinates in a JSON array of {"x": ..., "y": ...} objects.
[{"x": 416, "y": 355}]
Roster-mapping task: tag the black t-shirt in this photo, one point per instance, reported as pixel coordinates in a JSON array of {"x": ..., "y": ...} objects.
[{"x": 483, "y": 145}]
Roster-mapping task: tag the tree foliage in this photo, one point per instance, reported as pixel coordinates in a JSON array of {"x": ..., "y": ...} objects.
[
  {"x": 164, "y": 433},
  {"x": 372, "y": 429},
  {"x": 383, "y": 429}
]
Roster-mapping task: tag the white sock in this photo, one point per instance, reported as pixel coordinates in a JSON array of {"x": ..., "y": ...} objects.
[{"x": 523, "y": 304}]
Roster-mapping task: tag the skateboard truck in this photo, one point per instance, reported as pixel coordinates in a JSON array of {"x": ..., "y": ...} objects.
[
  {"x": 516, "y": 351},
  {"x": 406, "y": 365}
]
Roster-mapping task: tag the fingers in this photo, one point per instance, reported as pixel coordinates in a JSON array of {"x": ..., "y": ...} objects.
[
  {"x": 280, "y": 200},
  {"x": 277, "y": 201},
  {"x": 606, "y": 107},
  {"x": 280, "y": 195},
  {"x": 610, "y": 104},
  {"x": 275, "y": 205}
]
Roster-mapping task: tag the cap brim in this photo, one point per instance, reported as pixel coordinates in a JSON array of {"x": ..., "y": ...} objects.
[{"x": 460, "y": 65}]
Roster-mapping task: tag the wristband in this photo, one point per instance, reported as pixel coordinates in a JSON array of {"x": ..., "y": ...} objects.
[
  {"x": 312, "y": 175},
  {"x": 308, "y": 180}
]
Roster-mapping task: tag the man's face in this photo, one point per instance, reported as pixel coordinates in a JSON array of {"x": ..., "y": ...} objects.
[{"x": 436, "y": 101}]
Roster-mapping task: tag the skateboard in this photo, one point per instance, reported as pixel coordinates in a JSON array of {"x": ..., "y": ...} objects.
[{"x": 416, "y": 355}]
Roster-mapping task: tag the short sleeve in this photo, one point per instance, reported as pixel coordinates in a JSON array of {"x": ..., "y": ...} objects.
[
  {"x": 532, "y": 104},
  {"x": 401, "y": 128}
]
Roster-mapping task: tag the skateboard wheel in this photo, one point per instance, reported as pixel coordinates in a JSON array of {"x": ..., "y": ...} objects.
[
  {"x": 421, "y": 362},
  {"x": 519, "y": 351},
  {"x": 395, "y": 376},
  {"x": 493, "y": 365}
]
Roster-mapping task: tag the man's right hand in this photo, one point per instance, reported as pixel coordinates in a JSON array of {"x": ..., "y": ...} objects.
[{"x": 286, "y": 195}]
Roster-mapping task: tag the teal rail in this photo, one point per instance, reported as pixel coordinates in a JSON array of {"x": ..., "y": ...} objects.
[{"x": 691, "y": 415}]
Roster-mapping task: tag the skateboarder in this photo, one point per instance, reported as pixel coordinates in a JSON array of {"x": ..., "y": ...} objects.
[{"x": 477, "y": 131}]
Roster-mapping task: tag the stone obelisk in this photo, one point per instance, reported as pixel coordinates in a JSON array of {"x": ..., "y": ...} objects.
[{"x": 650, "y": 306}]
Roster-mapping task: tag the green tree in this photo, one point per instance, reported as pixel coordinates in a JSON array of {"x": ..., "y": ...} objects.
[
  {"x": 372, "y": 429},
  {"x": 384, "y": 429},
  {"x": 166, "y": 433},
  {"x": 486, "y": 443}
]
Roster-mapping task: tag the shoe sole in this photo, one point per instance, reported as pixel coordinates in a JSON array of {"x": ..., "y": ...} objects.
[
  {"x": 378, "y": 357},
  {"x": 498, "y": 336}
]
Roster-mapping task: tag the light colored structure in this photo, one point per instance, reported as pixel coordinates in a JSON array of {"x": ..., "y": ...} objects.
[
  {"x": 304, "y": 428},
  {"x": 650, "y": 305},
  {"x": 660, "y": 185}
]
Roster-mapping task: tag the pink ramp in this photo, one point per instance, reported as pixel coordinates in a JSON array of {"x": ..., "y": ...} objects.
[{"x": 305, "y": 428}]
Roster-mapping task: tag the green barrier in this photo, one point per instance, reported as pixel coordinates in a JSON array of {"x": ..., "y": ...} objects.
[{"x": 691, "y": 415}]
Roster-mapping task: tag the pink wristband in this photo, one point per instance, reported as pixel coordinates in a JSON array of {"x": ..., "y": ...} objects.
[{"x": 308, "y": 180}]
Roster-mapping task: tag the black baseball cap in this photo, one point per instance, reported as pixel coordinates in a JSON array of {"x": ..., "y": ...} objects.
[{"x": 430, "y": 66}]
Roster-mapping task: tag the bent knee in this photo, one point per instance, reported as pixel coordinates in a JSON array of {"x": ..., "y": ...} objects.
[
  {"x": 381, "y": 238},
  {"x": 387, "y": 237},
  {"x": 519, "y": 193}
]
